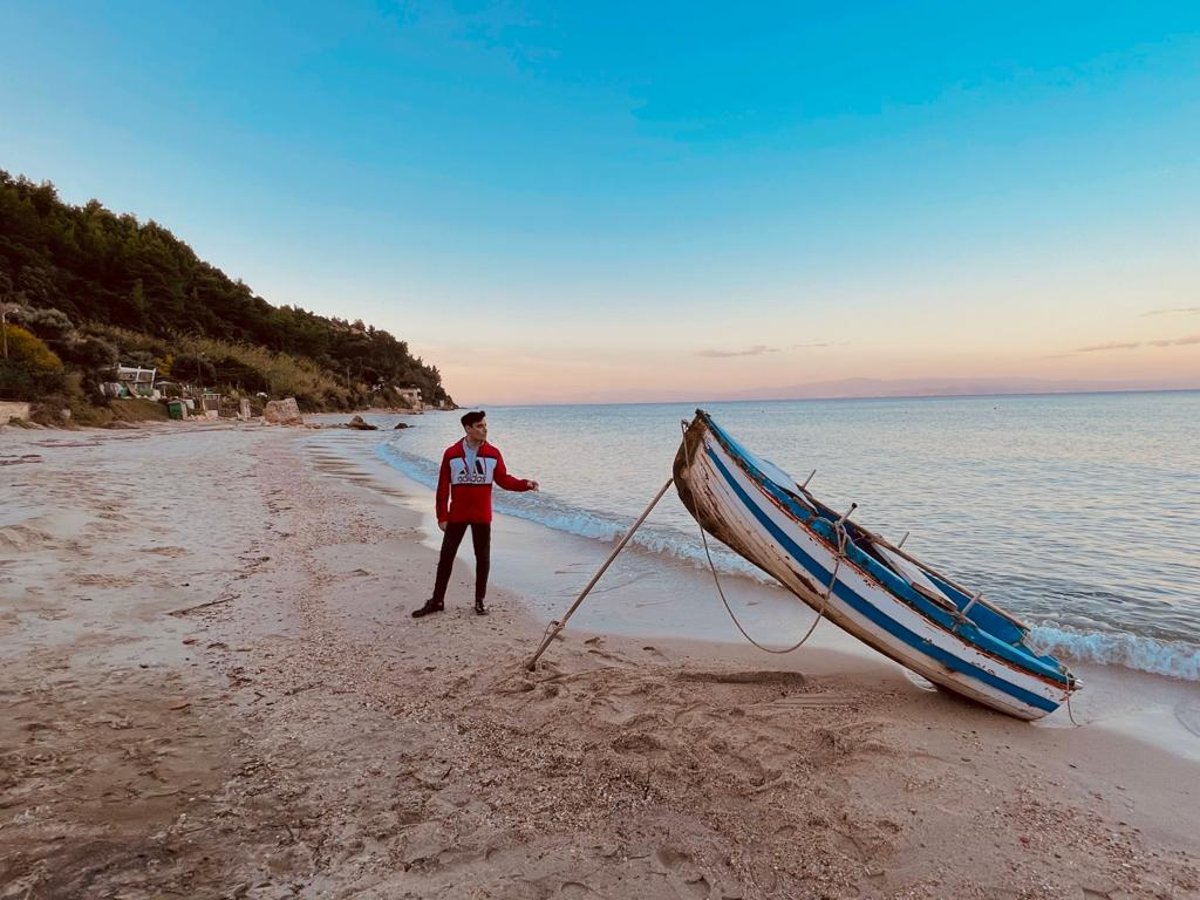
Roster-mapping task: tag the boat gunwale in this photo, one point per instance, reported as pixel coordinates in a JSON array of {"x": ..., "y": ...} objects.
[{"x": 1061, "y": 678}]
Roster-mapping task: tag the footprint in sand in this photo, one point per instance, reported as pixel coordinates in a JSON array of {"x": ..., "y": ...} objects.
[
  {"x": 604, "y": 654},
  {"x": 671, "y": 859},
  {"x": 576, "y": 891},
  {"x": 678, "y": 864}
]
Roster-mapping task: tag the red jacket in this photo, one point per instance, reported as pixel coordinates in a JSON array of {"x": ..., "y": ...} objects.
[{"x": 465, "y": 495}]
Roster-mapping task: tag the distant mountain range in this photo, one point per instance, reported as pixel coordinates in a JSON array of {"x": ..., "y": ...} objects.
[
  {"x": 862, "y": 388},
  {"x": 953, "y": 387}
]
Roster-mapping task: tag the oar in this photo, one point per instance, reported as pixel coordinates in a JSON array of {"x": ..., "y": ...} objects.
[{"x": 555, "y": 627}]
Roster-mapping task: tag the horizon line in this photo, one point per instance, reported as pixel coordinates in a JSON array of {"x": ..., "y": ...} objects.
[{"x": 827, "y": 399}]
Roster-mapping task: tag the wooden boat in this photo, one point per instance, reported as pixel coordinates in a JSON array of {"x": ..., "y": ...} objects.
[{"x": 860, "y": 582}]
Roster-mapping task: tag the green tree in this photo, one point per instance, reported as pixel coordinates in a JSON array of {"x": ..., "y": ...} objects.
[{"x": 137, "y": 301}]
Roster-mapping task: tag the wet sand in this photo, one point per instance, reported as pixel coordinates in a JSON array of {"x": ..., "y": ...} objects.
[{"x": 213, "y": 688}]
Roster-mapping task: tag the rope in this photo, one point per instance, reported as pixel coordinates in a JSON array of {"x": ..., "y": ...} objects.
[
  {"x": 841, "y": 532},
  {"x": 1070, "y": 712},
  {"x": 554, "y": 626}
]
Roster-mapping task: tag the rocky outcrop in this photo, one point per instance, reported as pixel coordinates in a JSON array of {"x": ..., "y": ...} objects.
[
  {"x": 10, "y": 410},
  {"x": 283, "y": 412},
  {"x": 358, "y": 423}
]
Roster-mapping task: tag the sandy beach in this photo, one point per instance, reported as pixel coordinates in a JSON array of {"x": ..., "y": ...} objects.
[{"x": 213, "y": 688}]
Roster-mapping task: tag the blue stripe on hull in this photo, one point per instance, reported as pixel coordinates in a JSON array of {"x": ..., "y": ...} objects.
[{"x": 865, "y": 608}]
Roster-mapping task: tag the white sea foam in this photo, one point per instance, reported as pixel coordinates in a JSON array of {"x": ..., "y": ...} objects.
[{"x": 1175, "y": 659}]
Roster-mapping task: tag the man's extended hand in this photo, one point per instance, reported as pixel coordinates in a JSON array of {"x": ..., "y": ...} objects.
[{"x": 533, "y": 485}]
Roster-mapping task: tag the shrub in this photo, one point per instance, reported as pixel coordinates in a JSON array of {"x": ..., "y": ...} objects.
[
  {"x": 30, "y": 370},
  {"x": 22, "y": 347},
  {"x": 92, "y": 354},
  {"x": 16, "y": 382},
  {"x": 49, "y": 324}
]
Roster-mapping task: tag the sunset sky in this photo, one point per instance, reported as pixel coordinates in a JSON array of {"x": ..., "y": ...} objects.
[{"x": 608, "y": 201}]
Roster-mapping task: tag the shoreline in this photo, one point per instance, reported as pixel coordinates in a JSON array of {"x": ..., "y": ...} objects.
[
  {"x": 643, "y": 596},
  {"x": 215, "y": 688}
]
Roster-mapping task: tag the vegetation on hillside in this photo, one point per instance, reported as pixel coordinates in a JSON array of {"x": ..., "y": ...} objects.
[{"x": 83, "y": 289}]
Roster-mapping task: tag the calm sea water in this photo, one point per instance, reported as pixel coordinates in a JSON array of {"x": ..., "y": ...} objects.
[{"x": 1079, "y": 513}]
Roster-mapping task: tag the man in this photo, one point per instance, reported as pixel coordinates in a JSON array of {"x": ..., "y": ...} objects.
[{"x": 464, "y": 497}]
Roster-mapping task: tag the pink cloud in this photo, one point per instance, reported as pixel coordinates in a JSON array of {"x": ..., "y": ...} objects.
[
  {"x": 1101, "y": 347},
  {"x": 757, "y": 350},
  {"x": 1185, "y": 310},
  {"x": 1169, "y": 342}
]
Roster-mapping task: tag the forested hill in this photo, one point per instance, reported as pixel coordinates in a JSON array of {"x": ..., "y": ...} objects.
[{"x": 137, "y": 288}]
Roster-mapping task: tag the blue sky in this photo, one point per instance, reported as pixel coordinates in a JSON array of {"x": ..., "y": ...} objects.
[{"x": 608, "y": 201}]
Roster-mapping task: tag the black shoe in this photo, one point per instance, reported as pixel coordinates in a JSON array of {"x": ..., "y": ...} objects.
[
  {"x": 429, "y": 607},
  {"x": 480, "y": 609}
]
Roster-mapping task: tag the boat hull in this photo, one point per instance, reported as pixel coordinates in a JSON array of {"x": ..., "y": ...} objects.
[{"x": 735, "y": 504}]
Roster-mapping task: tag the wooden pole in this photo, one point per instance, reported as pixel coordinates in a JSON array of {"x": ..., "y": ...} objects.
[{"x": 556, "y": 627}]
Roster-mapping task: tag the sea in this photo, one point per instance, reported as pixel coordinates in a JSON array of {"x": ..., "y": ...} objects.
[{"x": 1078, "y": 513}]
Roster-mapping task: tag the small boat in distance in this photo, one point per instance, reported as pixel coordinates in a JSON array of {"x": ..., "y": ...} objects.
[{"x": 865, "y": 585}]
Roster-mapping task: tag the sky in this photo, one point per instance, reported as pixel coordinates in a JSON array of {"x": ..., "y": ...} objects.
[{"x": 584, "y": 201}]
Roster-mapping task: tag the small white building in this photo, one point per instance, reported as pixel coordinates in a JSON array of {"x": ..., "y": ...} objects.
[{"x": 132, "y": 381}]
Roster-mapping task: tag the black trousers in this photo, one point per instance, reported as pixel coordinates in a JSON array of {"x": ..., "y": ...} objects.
[{"x": 481, "y": 539}]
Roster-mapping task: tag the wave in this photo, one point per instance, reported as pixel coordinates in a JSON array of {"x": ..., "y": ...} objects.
[{"x": 1174, "y": 659}]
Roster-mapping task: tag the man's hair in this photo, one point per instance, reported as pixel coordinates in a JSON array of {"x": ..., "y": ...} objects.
[{"x": 473, "y": 418}]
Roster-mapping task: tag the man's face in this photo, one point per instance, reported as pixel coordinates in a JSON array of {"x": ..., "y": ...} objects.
[{"x": 477, "y": 433}]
